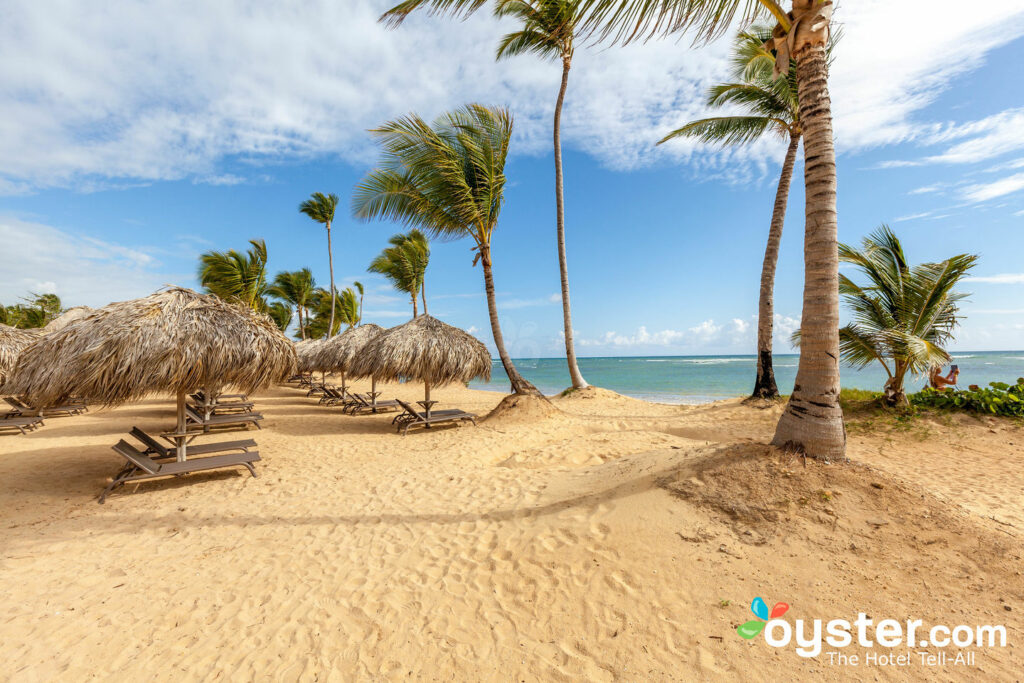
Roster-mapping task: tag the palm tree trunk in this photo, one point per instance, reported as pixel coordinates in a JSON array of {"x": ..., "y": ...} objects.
[
  {"x": 415, "y": 311},
  {"x": 302, "y": 328},
  {"x": 360, "y": 307},
  {"x": 563, "y": 267},
  {"x": 423, "y": 295},
  {"x": 764, "y": 385},
  {"x": 813, "y": 420},
  {"x": 330, "y": 263},
  {"x": 519, "y": 384}
]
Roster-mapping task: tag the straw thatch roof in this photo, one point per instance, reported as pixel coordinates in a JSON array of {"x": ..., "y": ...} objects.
[
  {"x": 174, "y": 340},
  {"x": 306, "y": 351},
  {"x": 12, "y": 341},
  {"x": 337, "y": 353},
  {"x": 424, "y": 349},
  {"x": 67, "y": 317}
]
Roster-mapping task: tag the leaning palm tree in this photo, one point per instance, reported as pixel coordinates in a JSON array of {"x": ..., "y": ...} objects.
[
  {"x": 448, "y": 179},
  {"x": 295, "y": 288},
  {"x": 905, "y": 314},
  {"x": 348, "y": 307},
  {"x": 769, "y": 106},
  {"x": 359, "y": 288},
  {"x": 813, "y": 420},
  {"x": 320, "y": 208},
  {"x": 237, "y": 277},
  {"x": 281, "y": 314},
  {"x": 548, "y": 30},
  {"x": 404, "y": 264}
]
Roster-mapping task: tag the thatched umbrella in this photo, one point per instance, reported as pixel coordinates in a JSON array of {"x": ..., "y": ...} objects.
[
  {"x": 173, "y": 341},
  {"x": 66, "y": 318},
  {"x": 427, "y": 350},
  {"x": 306, "y": 352},
  {"x": 12, "y": 342},
  {"x": 337, "y": 353}
]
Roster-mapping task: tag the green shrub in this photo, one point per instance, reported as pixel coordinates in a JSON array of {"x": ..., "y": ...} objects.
[{"x": 999, "y": 399}]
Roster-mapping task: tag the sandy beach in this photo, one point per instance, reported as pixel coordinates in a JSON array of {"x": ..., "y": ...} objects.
[{"x": 601, "y": 538}]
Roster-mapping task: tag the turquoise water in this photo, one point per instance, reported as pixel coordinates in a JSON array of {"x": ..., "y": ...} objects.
[{"x": 698, "y": 379}]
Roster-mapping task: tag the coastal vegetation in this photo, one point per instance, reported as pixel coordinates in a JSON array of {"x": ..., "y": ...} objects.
[
  {"x": 36, "y": 310},
  {"x": 320, "y": 208}
]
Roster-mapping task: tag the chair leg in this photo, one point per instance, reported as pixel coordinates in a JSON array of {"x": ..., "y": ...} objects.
[{"x": 252, "y": 470}]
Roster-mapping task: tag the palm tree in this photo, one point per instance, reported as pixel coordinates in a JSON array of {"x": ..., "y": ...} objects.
[
  {"x": 548, "y": 30},
  {"x": 448, "y": 179},
  {"x": 359, "y": 287},
  {"x": 234, "y": 276},
  {"x": 320, "y": 208},
  {"x": 281, "y": 314},
  {"x": 295, "y": 288},
  {"x": 904, "y": 315},
  {"x": 770, "y": 106},
  {"x": 404, "y": 264},
  {"x": 348, "y": 307}
]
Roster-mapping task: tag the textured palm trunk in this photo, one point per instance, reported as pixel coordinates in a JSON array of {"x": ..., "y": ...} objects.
[
  {"x": 423, "y": 295},
  {"x": 563, "y": 267},
  {"x": 302, "y": 327},
  {"x": 415, "y": 311},
  {"x": 519, "y": 384},
  {"x": 330, "y": 264},
  {"x": 764, "y": 384},
  {"x": 813, "y": 420}
]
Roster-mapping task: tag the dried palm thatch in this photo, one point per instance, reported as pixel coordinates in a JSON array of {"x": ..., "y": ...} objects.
[
  {"x": 66, "y": 318},
  {"x": 337, "y": 353},
  {"x": 12, "y": 342},
  {"x": 307, "y": 353},
  {"x": 427, "y": 350},
  {"x": 175, "y": 341}
]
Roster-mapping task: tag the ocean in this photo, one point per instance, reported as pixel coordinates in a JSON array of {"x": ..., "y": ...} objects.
[{"x": 700, "y": 379}]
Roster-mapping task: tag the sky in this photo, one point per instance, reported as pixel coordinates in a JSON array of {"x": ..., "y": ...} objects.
[{"x": 136, "y": 136}]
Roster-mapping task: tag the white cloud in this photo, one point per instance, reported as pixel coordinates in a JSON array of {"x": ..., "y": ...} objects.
[
  {"x": 78, "y": 269},
  {"x": 167, "y": 89},
  {"x": 737, "y": 335},
  {"x": 1001, "y": 279},
  {"x": 986, "y": 138},
  {"x": 984, "y": 191},
  {"x": 911, "y": 217},
  {"x": 472, "y": 329}
]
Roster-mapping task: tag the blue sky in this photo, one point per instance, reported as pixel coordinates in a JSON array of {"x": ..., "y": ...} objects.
[{"x": 125, "y": 154}]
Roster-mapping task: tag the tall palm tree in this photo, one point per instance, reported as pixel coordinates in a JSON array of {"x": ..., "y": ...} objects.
[
  {"x": 295, "y": 288},
  {"x": 448, "y": 179},
  {"x": 548, "y": 29},
  {"x": 359, "y": 288},
  {"x": 320, "y": 208},
  {"x": 770, "y": 107},
  {"x": 404, "y": 264},
  {"x": 281, "y": 314},
  {"x": 813, "y": 420},
  {"x": 904, "y": 315},
  {"x": 234, "y": 276},
  {"x": 348, "y": 307}
]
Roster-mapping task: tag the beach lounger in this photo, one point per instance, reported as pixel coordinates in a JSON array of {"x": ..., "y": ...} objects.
[
  {"x": 363, "y": 404},
  {"x": 222, "y": 398},
  {"x": 159, "y": 450},
  {"x": 412, "y": 417},
  {"x": 332, "y": 395},
  {"x": 22, "y": 424},
  {"x": 22, "y": 409},
  {"x": 194, "y": 418},
  {"x": 140, "y": 466},
  {"x": 219, "y": 407}
]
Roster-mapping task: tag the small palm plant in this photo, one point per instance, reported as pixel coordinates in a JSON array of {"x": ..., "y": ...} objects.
[
  {"x": 238, "y": 277},
  {"x": 281, "y": 314},
  {"x": 348, "y": 307},
  {"x": 448, "y": 179},
  {"x": 404, "y": 264},
  {"x": 321, "y": 207},
  {"x": 904, "y": 315},
  {"x": 359, "y": 288},
  {"x": 295, "y": 288},
  {"x": 770, "y": 108}
]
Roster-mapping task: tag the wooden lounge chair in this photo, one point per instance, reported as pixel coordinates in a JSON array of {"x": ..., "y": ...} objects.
[
  {"x": 22, "y": 424},
  {"x": 363, "y": 404},
  {"x": 220, "y": 407},
  {"x": 222, "y": 398},
  {"x": 412, "y": 417},
  {"x": 159, "y": 450},
  {"x": 140, "y": 466},
  {"x": 332, "y": 395},
  {"x": 22, "y": 409},
  {"x": 194, "y": 418}
]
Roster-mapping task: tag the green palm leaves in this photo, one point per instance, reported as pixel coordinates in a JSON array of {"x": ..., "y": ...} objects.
[
  {"x": 904, "y": 314},
  {"x": 769, "y": 104},
  {"x": 296, "y": 289},
  {"x": 238, "y": 277},
  {"x": 404, "y": 264},
  {"x": 548, "y": 28},
  {"x": 321, "y": 207},
  {"x": 446, "y": 179}
]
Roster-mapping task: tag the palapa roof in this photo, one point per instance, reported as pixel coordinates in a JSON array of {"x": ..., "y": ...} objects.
[
  {"x": 337, "y": 353},
  {"x": 424, "y": 349},
  {"x": 306, "y": 351},
  {"x": 67, "y": 317},
  {"x": 173, "y": 340},
  {"x": 12, "y": 342}
]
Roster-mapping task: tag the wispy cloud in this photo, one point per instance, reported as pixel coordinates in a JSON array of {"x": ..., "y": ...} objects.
[
  {"x": 1001, "y": 279},
  {"x": 981, "y": 192}
]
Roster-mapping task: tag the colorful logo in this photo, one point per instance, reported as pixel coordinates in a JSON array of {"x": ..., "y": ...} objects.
[{"x": 751, "y": 628}]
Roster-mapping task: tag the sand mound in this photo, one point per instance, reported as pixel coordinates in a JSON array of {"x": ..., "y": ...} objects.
[
  {"x": 591, "y": 393},
  {"x": 516, "y": 408}
]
